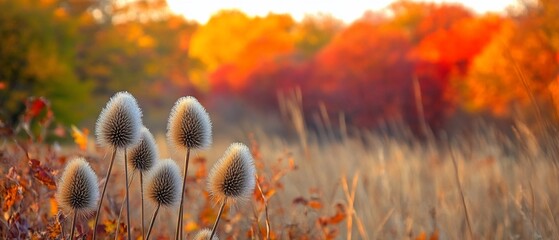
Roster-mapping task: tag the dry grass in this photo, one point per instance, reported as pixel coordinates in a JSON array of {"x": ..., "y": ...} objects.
[{"x": 357, "y": 186}]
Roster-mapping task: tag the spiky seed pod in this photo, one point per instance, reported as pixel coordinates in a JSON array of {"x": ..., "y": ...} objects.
[
  {"x": 232, "y": 177},
  {"x": 78, "y": 189},
  {"x": 143, "y": 155},
  {"x": 189, "y": 125},
  {"x": 204, "y": 234},
  {"x": 163, "y": 185},
  {"x": 120, "y": 122}
]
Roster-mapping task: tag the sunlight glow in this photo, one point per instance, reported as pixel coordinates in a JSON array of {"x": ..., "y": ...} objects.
[{"x": 346, "y": 10}]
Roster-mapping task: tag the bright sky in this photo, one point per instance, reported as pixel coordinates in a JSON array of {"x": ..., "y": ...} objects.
[{"x": 346, "y": 10}]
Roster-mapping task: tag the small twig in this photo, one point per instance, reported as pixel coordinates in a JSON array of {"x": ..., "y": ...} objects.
[
  {"x": 142, "y": 198},
  {"x": 533, "y": 206},
  {"x": 127, "y": 194},
  {"x": 103, "y": 195},
  {"x": 153, "y": 220},
  {"x": 73, "y": 225},
  {"x": 383, "y": 222},
  {"x": 461, "y": 192},
  {"x": 121, "y": 208},
  {"x": 350, "y": 196},
  {"x": 179, "y": 220},
  {"x": 218, "y": 217},
  {"x": 265, "y": 207}
]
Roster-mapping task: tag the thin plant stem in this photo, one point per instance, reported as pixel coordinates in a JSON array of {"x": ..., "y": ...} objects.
[
  {"x": 179, "y": 219},
  {"x": 461, "y": 193},
  {"x": 265, "y": 200},
  {"x": 142, "y": 198},
  {"x": 218, "y": 217},
  {"x": 62, "y": 226},
  {"x": 103, "y": 194},
  {"x": 73, "y": 225},
  {"x": 127, "y": 193},
  {"x": 122, "y": 207},
  {"x": 153, "y": 220}
]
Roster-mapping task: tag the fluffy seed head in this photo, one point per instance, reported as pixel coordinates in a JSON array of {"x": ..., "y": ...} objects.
[
  {"x": 143, "y": 155},
  {"x": 120, "y": 122},
  {"x": 163, "y": 185},
  {"x": 232, "y": 177},
  {"x": 189, "y": 125},
  {"x": 204, "y": 234},
  {"x": 78, "y": 189}
]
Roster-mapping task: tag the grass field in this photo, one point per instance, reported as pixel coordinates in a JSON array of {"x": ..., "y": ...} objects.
[{"x": 336, "y": 184}]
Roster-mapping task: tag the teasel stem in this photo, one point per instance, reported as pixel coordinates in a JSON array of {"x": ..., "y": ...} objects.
[
  {"x": 103, "y": 194},
  {"x": 127, "y": 193},
  {"x": 179, "y": 220},
  {"x": 142, "y": 198},
  {"x": 73, "y": 225},
  {"x": 122, "y": 207},
  {"x": 153, "y": 220},
  {"x": 218, "y": 217}
]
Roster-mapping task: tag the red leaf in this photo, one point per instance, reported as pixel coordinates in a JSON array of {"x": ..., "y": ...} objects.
[{"x": 43, "y": 175}]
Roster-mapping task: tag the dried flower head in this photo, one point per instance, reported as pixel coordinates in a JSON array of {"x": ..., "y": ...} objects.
[
  {"x": 189, "y": 125},
  {"x": 78, "y": 189},
  {"x": 232, "y": 177},
  {"x": 120, "y": 122},
  {"x": 143, "y": 155},
  {"x": 163, "y": 185},
  {"x": 204, "y": 234}
]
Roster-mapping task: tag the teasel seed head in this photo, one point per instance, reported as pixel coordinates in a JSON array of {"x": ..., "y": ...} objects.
[
  {"x": 143, "y": 155},
  {"x": 78, "y": 189},
  {"x": 204, "y": 234},
  {"x": 120, "y": 122},
  {"x": 189, "y": 125},
  {"x": 232, "y": 177},
  {"x": 163, "y": 185}
]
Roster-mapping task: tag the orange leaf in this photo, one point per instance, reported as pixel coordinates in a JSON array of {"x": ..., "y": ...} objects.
[
  {"x": 434, "y": 235},
  {"x": 53, "y": 206},
  {"x": 43, "y": 175},
  {"x": 11, "y": 196},
  {"x": 314, "y": 204},
  {"x": 191, "y": 226},
  {"x": 54, "y": 229},
  {"x": 80, "y": 138},
  {"x": 421, "y": 236}
]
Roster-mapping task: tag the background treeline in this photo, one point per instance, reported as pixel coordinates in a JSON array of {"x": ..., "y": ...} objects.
[{"x": 426, "y": 65}]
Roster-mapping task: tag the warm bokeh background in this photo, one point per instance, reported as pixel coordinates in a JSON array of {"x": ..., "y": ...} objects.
[
  {"x": 426, "y": 65},
  {"x": 419, "y": 120}
]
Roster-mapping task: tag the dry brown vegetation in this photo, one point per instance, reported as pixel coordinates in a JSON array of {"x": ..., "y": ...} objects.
[{"x": 358, "y": 185}]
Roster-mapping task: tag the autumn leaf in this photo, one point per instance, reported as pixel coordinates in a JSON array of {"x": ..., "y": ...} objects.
[
  {"x": 43, "y": 175},
  {"x": 54, "y": 229},
  {"x": 11, "y": 195},
  {"x": 339, "y": 216},
  {"x": 53, "y": 206},
  {"x": 422, "y": 236},
  {"x": 34, "y": 108},
  {"x": 80, "y": 137},
  {"x": 314, "y": 204}
]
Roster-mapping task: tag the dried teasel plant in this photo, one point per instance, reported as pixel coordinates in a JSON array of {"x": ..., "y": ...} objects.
[
  {"x": 189, "y": 127},
  {"x": 78, "y": 191},
  {"x": 204, "y": 234},
  {"x": 143, "y": 156},
  {"x": 232, "y": 178},
  {"x": 118, "y": 127},
  {"x": 163, "y": 187}
]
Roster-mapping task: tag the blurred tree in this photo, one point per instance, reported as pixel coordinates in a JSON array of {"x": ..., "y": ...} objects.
[
  {"x": 231, "y": 39},
  {"x": 363, "y": 72},
  {"x": 517, "y": 67},
  {"x": 314, "y": 32},
  {"x": 37, "y": 41},
  {"x": 443, "y": 58}
]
